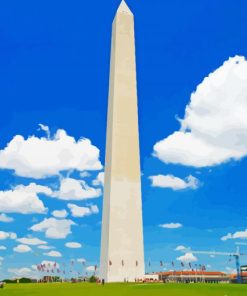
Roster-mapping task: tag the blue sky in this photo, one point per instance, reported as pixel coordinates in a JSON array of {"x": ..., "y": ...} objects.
[{"x": 54, "y": 70}]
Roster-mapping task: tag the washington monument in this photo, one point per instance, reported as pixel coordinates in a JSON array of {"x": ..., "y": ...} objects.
[{"x": 122, "y": 257}]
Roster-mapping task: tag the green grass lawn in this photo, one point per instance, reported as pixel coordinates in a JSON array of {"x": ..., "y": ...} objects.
[{"x": 68, "y": 289}]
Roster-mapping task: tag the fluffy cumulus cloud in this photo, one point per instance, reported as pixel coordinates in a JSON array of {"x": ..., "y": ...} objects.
[
  {"x": 44, "y": 247},
  {"x": 41, "y": 157},
  {"x": 60, "y": 213},
  {"x": 22, "y": 272},
  {"x": 6, "y": 219},
  {"x": 53, "y": 254},
  {"x": 180, "y": 248},
  {"x": 82, "y": 211},
  {"x": 22, "y": 249},
  {"x": 73, "y": 245},
  {"x": 24, "y": 199},
  {"x": 214, "y": 128},
  {"x": 3, "y": 248},
  {"x": 31, "y": 241},
  {"x": 54, "y": 228},
  {"x": 90, "y": 268},
  {"x": 236, "y": 235},
  {"x": 6, "y": 235},
  {"x": 81, "y": 260},
  {"x": 187, "y": 258},
  {"x": 171, "y": 225},
  {"x": 72, "y": 189},
  {"x": 175, "y": 183},
  {"x": 99, "y": 181}
]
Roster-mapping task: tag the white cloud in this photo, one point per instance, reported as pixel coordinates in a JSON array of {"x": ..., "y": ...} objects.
[
  {"x": 236, "y": 235},
  {"x": 90, "y": 268},
  {"x": 60, "y": 213},
  {"x": 187, "y": 258},
  {"x": 81, "y": 260},
  {"x": 171, "y": 225},
  {"x": 54, "y": 228},
  {"x": 3, "y": 248},
  {"x": 41, "y": 157},
  {"x": 22, "y": 249},
  {"x": 31, "y": 241},
  {"x": 82, "y": 211},
  {"x": 24, "y": 199},
  {"x": 180, "y": 248},
  {"x": 73, "y": 245},
  {"x": 46, "y": 129},
  {"x": 85, "y": 174},
  {"x": 99, "y": 180},
  {"x": 214, "y": 128},
  {"x": 22, "y": 272},
  {"x": 72, "y": 189},
  {"x": 6, "y": 219},
  {"x": 53, "y": 254},
  {"x": 5, "y": 235},
  {"x": 44, "y": 247},
  {"x": 175, "y": 183}
]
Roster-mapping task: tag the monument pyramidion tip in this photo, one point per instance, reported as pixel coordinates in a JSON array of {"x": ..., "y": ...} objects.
[{"x": 123, "y": 8}]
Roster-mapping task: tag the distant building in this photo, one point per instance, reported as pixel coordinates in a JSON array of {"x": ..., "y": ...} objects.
[
  {"x": 233, "y": 277},
  {"x": 152, "y": 277},
  {"x": 194, "y": 276}
]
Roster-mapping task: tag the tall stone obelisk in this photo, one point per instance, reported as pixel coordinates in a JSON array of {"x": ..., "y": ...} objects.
[{"x": 122, "y": 257}]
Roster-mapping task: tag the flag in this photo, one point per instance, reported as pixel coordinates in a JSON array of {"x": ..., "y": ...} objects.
[
  {"x": 172, "y": 263},
  {"x": 149, "y": 263},
  {"x": 122, "y": 263},
  {"x": 136, "y": 263},
  {"x": 95, "y": 267},
  {"x": 110, "y": 263},
  {"x": 161, "y": 263},
  {"x": 182, "y": 264},
  {"x": 190, "y": 265}
]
